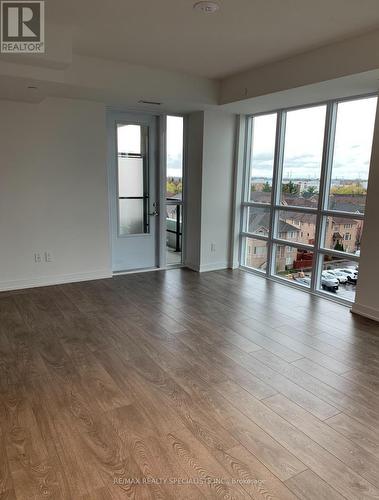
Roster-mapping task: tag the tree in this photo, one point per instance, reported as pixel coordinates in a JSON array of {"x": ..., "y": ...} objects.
[
  {"x": 174, "y": 186},
  {"x": 310, "y": 191},
  {"x": 338, "y": 246},
  {"x": 354, "y": 188},
  {"x": 290, "y": 188},
  {"x": 170, "y": 187},
  {"x": 266, "y": 187}
]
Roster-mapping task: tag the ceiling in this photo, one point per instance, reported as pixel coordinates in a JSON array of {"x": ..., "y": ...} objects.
[
  {"x": 348, "y": 86},
  {"x": 170, "y": 34}
]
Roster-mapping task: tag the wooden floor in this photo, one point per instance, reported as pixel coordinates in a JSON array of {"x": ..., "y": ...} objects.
[{"x": 176, "y": 385}]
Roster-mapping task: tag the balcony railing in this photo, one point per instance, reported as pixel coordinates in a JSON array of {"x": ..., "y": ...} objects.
[{"x": 174, "y": 213}]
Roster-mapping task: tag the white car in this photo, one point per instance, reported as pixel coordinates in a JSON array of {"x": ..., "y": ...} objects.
[
  {"x": 351, "y": 274},
  {"x": 342, "y": 277},
  {"x": 304, "y": 280},
  {"x": 329, "y": 282}
]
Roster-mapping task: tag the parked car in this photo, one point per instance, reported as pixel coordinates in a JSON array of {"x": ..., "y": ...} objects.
[
  {"x": 351, "y": 274},
  {"x": 329, "y": 282},
  {"x": 304, "y": 280},
  {"x": 342, "y": 277}
]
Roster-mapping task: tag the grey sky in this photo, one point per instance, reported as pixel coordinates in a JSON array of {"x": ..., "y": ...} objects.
[
  {"x": 129, "y": 140},
  {"x": 304, "y": 141},
  {"x": 174, "y": 146}
]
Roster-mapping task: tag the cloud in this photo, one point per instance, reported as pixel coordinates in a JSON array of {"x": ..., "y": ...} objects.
[
  {"x": 174, "y": 162},
  {"x": 349, "y": 163}
]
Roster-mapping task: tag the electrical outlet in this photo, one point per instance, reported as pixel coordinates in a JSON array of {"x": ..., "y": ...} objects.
[
  {"x": 213, "y": 247},
  {"x": 37, "y": 258},
  {"x": 48, "y": 257}
]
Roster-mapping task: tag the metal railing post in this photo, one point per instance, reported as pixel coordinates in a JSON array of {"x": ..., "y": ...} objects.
[{"x": 177, "y": 228}]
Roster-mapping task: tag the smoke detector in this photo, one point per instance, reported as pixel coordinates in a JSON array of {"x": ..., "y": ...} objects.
[{"x": 207, "y": 7}]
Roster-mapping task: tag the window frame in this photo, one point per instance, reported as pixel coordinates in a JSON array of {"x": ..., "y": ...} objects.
[
  {"x": 321, "y": 212},
  {"x": 163, "y": 198}
]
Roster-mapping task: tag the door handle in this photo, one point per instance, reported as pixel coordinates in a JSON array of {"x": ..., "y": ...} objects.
[{"x": 155, "y": 207}]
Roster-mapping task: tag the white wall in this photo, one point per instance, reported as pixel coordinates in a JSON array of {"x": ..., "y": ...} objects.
[
  {"x": 217, "y": 189},
  {"x": 210, "y": 189},
  {"x": 115, "y": 83},
  {"x": 193, "y": 189},
  {"x": 367, "y": 298},
  {"x": 349, "y": 57},
  {"x": 53, "y": 192}
]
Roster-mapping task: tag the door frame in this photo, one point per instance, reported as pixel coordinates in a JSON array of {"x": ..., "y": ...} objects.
[{"x": 161, "y": 170}]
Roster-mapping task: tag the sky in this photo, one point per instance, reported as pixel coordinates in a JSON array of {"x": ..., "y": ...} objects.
[
  {"x": 129, "y": 140},
  {"x": 304, "y": 141},
  {"x": 174, "y": 146},
  {"x": 303, "y": 144}
]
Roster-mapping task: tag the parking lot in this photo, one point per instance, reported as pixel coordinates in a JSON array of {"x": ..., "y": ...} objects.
[{"x": 345, "y": 291}]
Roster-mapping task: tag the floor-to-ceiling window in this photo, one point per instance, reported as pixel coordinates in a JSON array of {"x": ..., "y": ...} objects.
[{"x": 305, "y": 193}]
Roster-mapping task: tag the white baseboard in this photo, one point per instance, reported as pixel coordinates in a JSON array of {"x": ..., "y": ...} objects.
[
  {"x": 366, "y": 311},
  {"x": 193, "y": 267},
  {"x": 213, "y": 266},
  {"x": 6, "y": 286},
  {"x": 216, "y": 266}
]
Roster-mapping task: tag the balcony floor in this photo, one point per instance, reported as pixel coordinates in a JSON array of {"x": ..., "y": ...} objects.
[
  {"x": 179, "y": 385},
  {"x": 172, "y": 257}
]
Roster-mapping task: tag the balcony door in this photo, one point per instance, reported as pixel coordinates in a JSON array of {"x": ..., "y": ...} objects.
[{"x": 133, "y": 190}]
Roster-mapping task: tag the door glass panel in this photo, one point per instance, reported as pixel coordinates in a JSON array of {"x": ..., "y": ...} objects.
[
  {"x": 343, "y": 234},
  {"x": 262, "y": 158},
  {"x": 256, "y": 254},
  {"x": 352, "y": 152},
  {"x": 130, "y": 177},
  {"x": 131, "y": 217},
  {"x": 293, "y": 264},
  {"x": 129, "y": 139},
  {"x": 296, "y": 226},
  {"x": 303, "y": 147},
  {"x": 338, "y": 276},
  {"x": 133, "y": 199}
]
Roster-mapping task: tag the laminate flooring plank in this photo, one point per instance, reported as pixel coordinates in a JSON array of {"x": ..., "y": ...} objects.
[
  {"x": 339, "y": 400},
  {"x": 356, "y": 431},
  {"x": 308, "y": 486},
  {"x": 354, "y": 456},
  {"x": 214, "y": 377},
  {"x": 261, "y": 445},
  {"x": 343, "y": 479},
  {"x": 315, "y": 405}
]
